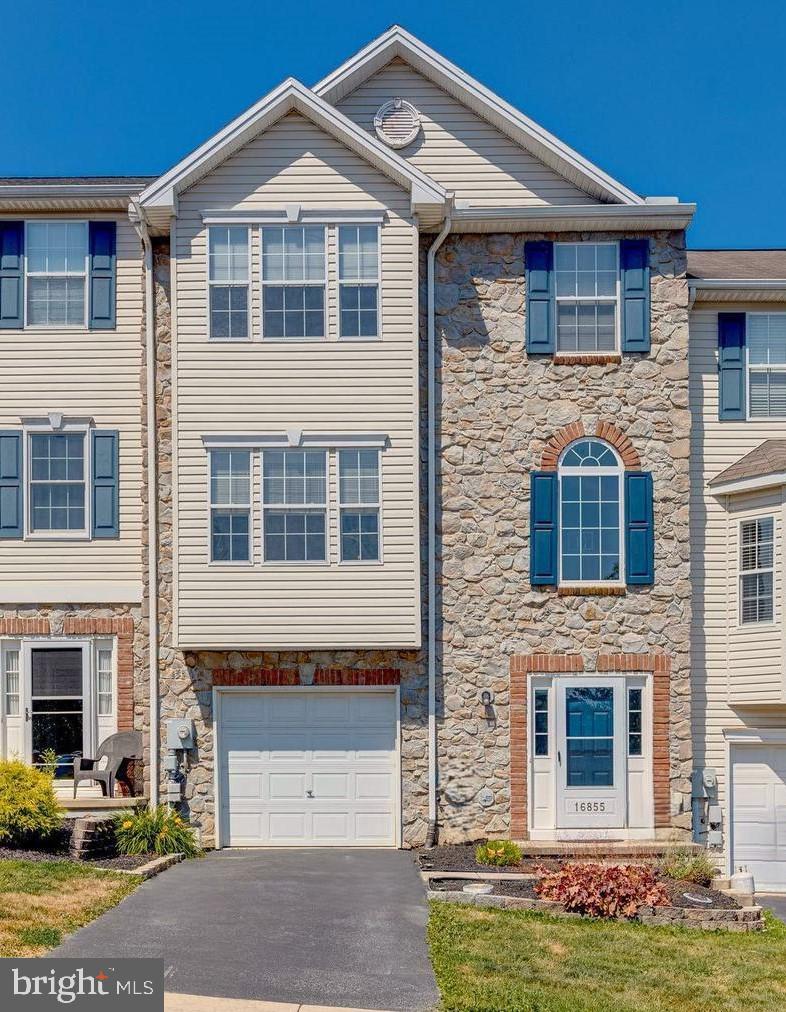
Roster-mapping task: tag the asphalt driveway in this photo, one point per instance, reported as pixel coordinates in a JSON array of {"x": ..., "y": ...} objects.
[{"x": 323, "y": 927}]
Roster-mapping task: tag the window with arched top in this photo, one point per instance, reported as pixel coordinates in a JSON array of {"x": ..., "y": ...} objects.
[{"x": 591, "y": 516}]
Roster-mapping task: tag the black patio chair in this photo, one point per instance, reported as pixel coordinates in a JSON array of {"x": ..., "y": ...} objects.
[{"x": 115, "y": 749}]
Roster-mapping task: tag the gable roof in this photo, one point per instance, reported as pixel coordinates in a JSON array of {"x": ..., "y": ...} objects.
[
  {"x": 737, "y": 264},
  {"x": 397, "y": 42},
  {"x": 762, "y": 467},
  {"x": 159, "y": 199}
]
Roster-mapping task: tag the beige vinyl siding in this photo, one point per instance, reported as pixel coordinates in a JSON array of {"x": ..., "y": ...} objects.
[
  {"x": 322, "y": 387},
  {"x": 81, "y": 373},
  {"x": 457, "y": 148},
  {"x": 737, "y": 671}
]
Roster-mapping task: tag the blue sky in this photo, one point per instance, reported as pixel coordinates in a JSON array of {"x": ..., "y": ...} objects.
[{"x": 670, "y": 97}]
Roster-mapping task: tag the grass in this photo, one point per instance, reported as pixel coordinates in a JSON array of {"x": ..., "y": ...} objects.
[
  {"x": 42, "y": 901},
  {"x": 499, "y": 960}
]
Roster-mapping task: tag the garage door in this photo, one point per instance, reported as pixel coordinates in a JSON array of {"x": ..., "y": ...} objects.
[
  {"x": 308, "y": 768},
  {"x": 759, "y": 814}
]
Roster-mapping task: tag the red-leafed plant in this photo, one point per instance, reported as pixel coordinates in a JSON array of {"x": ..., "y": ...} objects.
[{"x": 599, "y": 890}]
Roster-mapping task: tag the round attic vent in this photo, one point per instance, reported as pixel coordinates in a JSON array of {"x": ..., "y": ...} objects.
[{"x": 397, "y": 123}]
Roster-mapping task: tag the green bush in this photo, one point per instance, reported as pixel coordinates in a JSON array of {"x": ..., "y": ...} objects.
[
  {"x": 687, "y": 866},
  {"x": 154, "y": 831},
  {"x": 498, "y": 852},
  {"x": 29, "y": 813}
]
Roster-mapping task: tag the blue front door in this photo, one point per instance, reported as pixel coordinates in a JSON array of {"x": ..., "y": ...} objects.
[{"x": 589, "y": 737}]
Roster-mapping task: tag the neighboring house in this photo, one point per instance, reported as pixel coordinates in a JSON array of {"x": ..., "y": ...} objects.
[
  {"x": 422, "y": 436},
  {"x": 738, "y": 399}
]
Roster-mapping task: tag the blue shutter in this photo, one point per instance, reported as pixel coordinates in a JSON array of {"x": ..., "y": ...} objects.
[
  {"x": 10, "y": 484},
  {"x": 539, "y": 265},
  {"x": 543, "y": 528},
  {"x": 105, "y": 483},
  {"x": 731, "y": 367},
  {"x": 102, "y": 275},
  {"x": 639, "y": 528},
  {"x": 12, "y": 244},
  {"x": 635, "y": 290}
]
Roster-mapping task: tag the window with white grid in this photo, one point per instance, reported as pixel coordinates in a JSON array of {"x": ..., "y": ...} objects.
[
  {"x": 587, "y": 296},
  {"x": 12, "y": 687},
  {"x": 766, "y": 348},
  {"x": 57, "y": 476},
  {"x": 105, "y": 680},
  {"x": 294, "y": 505},
  {"x": 293, "y": 282},
  {"x": 230, "y": 506},
  {"x": 56, "y": 273},
  {"x": 757, "y": 538},
  {"x": 228, "y": 276},
  {"x": 358, "y": 277},
  {"x": 358, "y": 495}
]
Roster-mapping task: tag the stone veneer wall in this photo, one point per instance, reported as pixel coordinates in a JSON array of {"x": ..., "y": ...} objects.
[{"x": 498, "y": 410}]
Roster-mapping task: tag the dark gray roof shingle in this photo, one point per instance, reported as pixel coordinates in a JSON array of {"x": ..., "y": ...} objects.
[
  {"x": 768, "y": 458},
  {"x": 737, "y": 264}
]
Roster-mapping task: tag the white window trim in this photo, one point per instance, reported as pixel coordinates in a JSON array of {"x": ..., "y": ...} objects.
[
  {"x": 229, "y": 284},
  {"x": 767, "y": 623},
  {"x": 365, "y": 282},
  {"x": 324, "y": 284},
  {"x": 758, "y": 368},
  {"x": 359, "y": 508},
  {"x": 619, "y": 471},
  {"x": 67, "y": 428},
  {"x": 296, "y": 508},
  {"x": 98, "y": 645},
  {"x": 7, "y": 647},
  {"x": 232, "y": 563},
  {"x": 60, "y": 274},
  {"x": 594, "y": 299}
]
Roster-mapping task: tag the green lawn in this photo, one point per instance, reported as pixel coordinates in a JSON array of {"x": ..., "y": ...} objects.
[
  {"x": 499, "y": 960},
  {"x": 41, "y": 901}
]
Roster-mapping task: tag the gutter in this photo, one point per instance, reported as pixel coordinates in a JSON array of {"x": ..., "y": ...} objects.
[
  {"x": 431, "y": 590},
  {"x": 741, "y": 284},
  {"x": 137, "y": 218},
  {"x": 655, "y": 213}
]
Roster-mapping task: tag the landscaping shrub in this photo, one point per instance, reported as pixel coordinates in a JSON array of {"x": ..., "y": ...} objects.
[
  {"x": 686, "y": 866},
  {"x": 154, "y": 831},
  {"x": 498, "y": 852},
  {"x": 602, "y": 891},
  {"x": 29, "y": 813}
]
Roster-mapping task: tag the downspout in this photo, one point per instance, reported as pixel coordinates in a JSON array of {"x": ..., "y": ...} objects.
[
  {"x": 137, "y": 218},
  {"x": 431, "y": 589}
]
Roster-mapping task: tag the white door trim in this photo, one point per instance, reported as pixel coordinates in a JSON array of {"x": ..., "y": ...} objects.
[
  {"x": 220, "y": 690},
  {"x": 89, "y": 708},
  {"x": 738, "y": 739}
]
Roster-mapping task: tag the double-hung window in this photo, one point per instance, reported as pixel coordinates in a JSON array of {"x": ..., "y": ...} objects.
[
  {"x": 56, "y": 273},
  {"x": 293, "y": 282},
  {"x": 358, "y": 493},
  {"x": 766, "y": 343},
  {"x": 358, "y": 276},
  {"x": 12, "y": 686},
  {"x": 587, "y": 296},
  {"x": 590, "y": 490},
  {"x": 294, "y": 504},
  {"x": 228, "y": 282},
  {"x": 230, "y": 506},
  {"x": 57, "y": 478},
  {"x": 756, "y": 570}
]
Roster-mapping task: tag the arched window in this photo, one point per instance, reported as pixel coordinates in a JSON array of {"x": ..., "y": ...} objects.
[{"x": 591, "y": 513}]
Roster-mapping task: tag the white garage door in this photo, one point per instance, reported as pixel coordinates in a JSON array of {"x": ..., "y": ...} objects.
[
  {"x": 308, "y": 768},
  {"x": 759, "y": 814}
]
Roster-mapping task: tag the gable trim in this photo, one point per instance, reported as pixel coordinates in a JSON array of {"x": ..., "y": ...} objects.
[
  {"x": 290, "y": 96},
  {"x": 485, "y": 103}
]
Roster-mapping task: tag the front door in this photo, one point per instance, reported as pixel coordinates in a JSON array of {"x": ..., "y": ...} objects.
[
  {"x": 590, "y": 753},
  {"x": 57, "y": 706}
]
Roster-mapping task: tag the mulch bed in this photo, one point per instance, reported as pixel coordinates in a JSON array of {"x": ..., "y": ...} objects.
[
  {"x": 677, "y": 891},
  {"x": 462, "y": 858},
  {"x": 524, "y": 888},
  {"x": 120, "y": 863}
]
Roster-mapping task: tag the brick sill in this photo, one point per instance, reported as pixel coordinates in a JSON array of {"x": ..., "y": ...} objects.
[
  {"x": 564, "y": 359},
  {"x": 591, "y": 591}
]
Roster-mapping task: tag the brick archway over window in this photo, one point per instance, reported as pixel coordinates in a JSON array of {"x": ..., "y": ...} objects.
[{"x": 603, "y": 430}]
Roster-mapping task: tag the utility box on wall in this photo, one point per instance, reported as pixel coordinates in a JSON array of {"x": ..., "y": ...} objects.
[{"x": 180, "y": 733}]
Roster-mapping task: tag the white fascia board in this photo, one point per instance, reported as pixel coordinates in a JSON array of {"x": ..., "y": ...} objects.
[
  {"x": 578, "y": 216},
  {"x": 738, "y": 284},
  {"x": 755, "y": 735},
  {"x": 68, "y": 591},
  {"x": 520, "y": 128},
  {"x": 748, "y": 484},
  {"x": 290, "y": 96},
  {"x": 293, "y": 440}
]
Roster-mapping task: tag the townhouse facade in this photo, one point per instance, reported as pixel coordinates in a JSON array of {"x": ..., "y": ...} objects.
[{"x": 407, "y": 382}]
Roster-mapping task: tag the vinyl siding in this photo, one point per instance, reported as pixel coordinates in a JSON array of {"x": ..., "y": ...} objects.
[
  {"x": 322, "y": 387},
  {"x": 457, "y": 148},
  {"x": 738, "y": 671},
  {"x": 80, "y": 373}
]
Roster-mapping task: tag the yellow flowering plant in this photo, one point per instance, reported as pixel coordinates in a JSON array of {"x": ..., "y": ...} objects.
[{"x": 155, "y": 831}]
